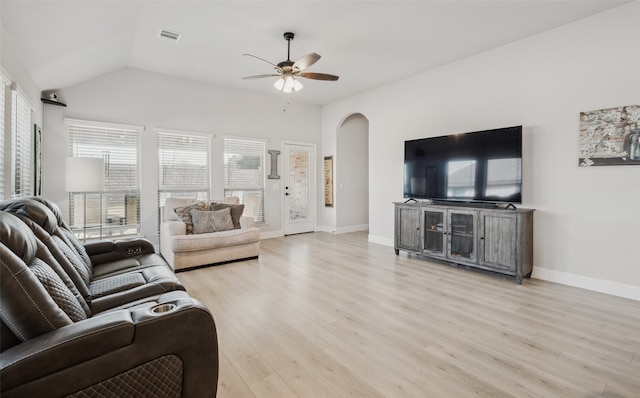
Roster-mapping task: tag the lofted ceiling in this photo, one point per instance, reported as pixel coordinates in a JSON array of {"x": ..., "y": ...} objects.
[{"x": 366, "y": 43}]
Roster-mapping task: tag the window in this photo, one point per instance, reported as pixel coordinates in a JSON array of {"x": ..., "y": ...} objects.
[
  {"x": 4, "y": 82},
  {"x": 183, "y": 160},
  {"x": 116, "y": 210},
  {"x": 244, "y": 175},
  {"x": 21, "y": 144}
]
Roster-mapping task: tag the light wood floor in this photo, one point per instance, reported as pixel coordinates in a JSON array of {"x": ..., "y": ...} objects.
[{"x": 322, "y": 315}]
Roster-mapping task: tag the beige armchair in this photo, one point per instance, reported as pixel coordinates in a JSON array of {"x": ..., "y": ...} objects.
[{"x": 184, "y": 249}]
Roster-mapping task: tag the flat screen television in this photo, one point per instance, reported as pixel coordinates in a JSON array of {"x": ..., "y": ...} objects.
[{"x": 481, "y": 166}]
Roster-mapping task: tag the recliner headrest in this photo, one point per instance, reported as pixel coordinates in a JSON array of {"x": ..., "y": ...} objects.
[
  {"x": 17, "y": 237},
  {"x": 33, "y": 210},
  {"x": 51, "y": 206}
]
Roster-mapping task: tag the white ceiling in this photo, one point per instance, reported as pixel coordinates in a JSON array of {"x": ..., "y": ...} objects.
[{"x": 366, "y": 43}]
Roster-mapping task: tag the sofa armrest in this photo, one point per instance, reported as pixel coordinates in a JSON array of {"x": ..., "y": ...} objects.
[
  {"x": 90, "y": 352},
  {"x": 247, "y": 222},
  {"x": 64, "y": 347},
  {"x": 173, "y": 228},
  {"x": 106, "y": 251}
]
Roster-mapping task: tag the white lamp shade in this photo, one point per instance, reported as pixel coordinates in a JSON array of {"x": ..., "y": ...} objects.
[{"x": 84, "y": 174}]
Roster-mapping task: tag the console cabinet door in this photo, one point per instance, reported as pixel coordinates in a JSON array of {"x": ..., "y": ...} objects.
[
  {"x": 407, "y": 228},
  {"x": 499, "y": 240},
  {"x": 462, "y": 235},
  {"x": 434, "y": 237}
]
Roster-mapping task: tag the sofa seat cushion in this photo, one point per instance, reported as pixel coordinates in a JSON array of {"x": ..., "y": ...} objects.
[{"x": 214, "y": 240}]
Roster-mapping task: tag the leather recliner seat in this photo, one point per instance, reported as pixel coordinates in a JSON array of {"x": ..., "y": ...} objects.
[
  {"x": 125, "y": 270},
  {"x": 57, "y": 343}
]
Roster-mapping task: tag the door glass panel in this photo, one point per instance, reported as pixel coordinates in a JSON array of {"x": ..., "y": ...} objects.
[
  {"x": 298, "y": 185},
  {"x": 433, "y": 231},
  {"x": 462, "y": 235}
]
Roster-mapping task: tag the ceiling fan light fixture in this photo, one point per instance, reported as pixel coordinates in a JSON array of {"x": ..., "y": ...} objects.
[
  {"x": 288, "y": 84},
  {"x": 289, "y": 70},
  {"x": 279, "y": 84}
]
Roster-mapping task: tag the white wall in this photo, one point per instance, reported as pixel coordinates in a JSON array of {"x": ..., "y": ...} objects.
[
  {"x": 132, "y": 96},
  {"x": 587, "y": 219},
  {"x": 352, "y": 175},
  {"x": 18, "y": 73}
]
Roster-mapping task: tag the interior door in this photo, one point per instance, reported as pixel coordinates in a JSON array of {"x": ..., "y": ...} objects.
[{"x": 299, "y": 188}]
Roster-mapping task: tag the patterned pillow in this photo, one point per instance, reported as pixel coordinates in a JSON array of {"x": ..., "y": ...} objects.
[
  {"x": 236, "y": 212},
  {"x": 184, "y": 212},
  {"x": 211, "y": 221}
]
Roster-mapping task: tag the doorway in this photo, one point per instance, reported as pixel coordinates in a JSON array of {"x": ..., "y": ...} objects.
[
  {"x": 299, "y": 188},
  {"x": 352, "y": 175}
]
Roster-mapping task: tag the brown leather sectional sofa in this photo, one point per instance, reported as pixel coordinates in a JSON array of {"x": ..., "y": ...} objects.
[{"x": 106, "y": 319}]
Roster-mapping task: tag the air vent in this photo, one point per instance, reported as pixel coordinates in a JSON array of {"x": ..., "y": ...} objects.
[{"x": 169, "y": 36}]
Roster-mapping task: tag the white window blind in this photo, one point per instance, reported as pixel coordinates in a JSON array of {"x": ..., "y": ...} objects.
[
  {"x": 183, "y": 161},
  {"x": 21, "y": 145},
  {"x": 4, "y": 82},
  {"x": 244, "y": 174},
  {"x": 115, "y": 211}
]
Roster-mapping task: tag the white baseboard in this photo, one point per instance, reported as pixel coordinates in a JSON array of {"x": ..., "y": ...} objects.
[
  {"x": 352, "y": 228},
  {"x": 380, "y": 240},
  {"x": 585, "y": 282},
  {"x": 325, "y": 228},
  {"x": 271, "y": 234}
]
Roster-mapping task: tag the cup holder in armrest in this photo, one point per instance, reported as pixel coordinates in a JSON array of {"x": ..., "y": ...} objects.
[{"x": 164, "y": 308}]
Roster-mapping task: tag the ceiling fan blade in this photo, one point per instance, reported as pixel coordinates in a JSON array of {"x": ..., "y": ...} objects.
[
  {"x": 306, "y": 61},
  {"x": 319, "y": 76},
  {"x": 263, "y": 60},
  {"x": 261, "y": 76}
]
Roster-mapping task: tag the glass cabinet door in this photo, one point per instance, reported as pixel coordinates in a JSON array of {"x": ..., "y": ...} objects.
[
  {"x": 433, "y": 232},
  {"x": 462, "y": 240}
]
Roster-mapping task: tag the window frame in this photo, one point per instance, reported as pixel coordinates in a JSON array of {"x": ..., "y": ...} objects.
[
  {"x": 21, "y": 147},
  {"x": 200, "y": 193},
  {"x": 241, "y": 191},
  {"x": 5, "y": 90},
  {"x": 118, "y": 208}
]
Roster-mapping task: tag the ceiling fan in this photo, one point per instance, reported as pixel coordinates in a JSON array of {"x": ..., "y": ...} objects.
[{"x": 287, "y": 71}]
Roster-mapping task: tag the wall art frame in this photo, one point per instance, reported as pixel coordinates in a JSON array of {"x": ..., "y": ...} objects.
[
  {"x": 609, "y": 137},
  {"x": 328, "y": 181}
]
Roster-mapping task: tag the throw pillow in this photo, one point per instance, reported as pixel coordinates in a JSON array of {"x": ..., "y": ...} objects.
[
  {"x": 171, "y": 203},
  {"x": 211, "y": 221},
  {"x": 184, "y": 212},
  {"x": 236, "y": 212}
]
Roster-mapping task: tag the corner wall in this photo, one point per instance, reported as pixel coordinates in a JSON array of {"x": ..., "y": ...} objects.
[{"x": 586, "y": 220}]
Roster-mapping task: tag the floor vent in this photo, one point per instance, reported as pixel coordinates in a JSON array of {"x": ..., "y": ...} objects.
[{"x": 168, "y": 35}]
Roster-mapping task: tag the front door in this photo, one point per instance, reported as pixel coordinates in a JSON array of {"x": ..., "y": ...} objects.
[{"x": 299, "y": 188}]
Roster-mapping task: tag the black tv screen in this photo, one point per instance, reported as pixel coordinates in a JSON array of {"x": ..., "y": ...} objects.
[{"x": 481, "y": 166}]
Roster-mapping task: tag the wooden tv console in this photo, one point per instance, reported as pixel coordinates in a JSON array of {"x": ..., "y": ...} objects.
[{"x": 492, "y": 239}]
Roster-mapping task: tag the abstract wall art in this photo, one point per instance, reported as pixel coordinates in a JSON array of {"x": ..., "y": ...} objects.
[{"x": 610, "y": 137}]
